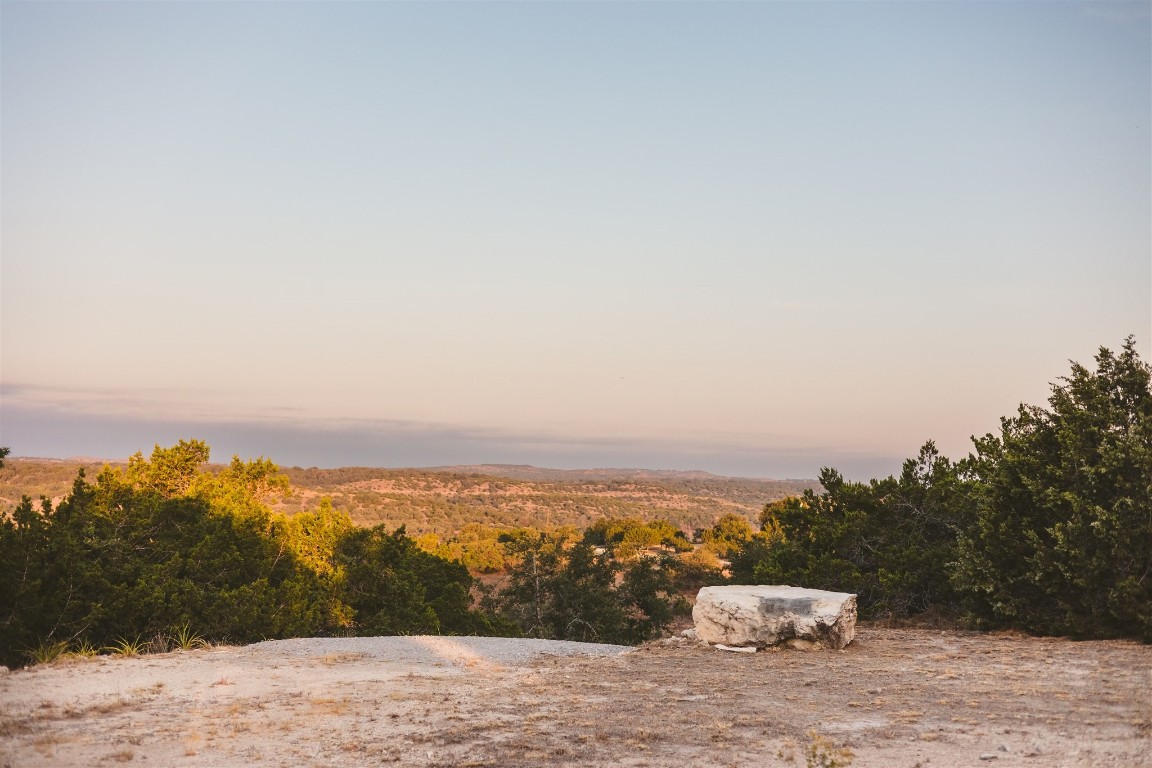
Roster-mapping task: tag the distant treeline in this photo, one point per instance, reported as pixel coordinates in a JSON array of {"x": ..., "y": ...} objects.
[{"x": 444, "y": 501}]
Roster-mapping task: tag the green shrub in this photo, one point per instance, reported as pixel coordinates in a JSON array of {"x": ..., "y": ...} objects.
[{"x": 1062, "y": 540}]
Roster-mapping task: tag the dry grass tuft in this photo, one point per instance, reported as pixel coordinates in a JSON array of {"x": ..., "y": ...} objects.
[
  {"x": 192, "y": 744},
  {"x": 326, "y": 706},
  {"x": 46, "y": 745},
  {"x": 819, "y": 752},
  {"x": 108, "y": 707}
]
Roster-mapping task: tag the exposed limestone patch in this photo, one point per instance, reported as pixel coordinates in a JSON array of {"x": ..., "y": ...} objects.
[{"x": 762, "y": 616}]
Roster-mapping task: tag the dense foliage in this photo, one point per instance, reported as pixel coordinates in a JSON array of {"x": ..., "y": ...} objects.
[
  {"x": 567, "y": 590},
  {"x": 1062, "y": 541},
  {"x": 167, "y": 542},
  {"x": 1047, "y": 527},
  {"x": 162, "y": 544},
  {"x": 395, "y": 588},
  {"x": 888, "y": 541}
]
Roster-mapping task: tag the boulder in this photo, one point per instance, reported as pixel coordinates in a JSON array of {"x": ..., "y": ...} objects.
[{"x": 763, "y": 615}]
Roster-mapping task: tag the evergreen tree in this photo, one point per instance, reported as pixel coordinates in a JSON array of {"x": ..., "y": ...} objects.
[
  {"x": 888, "y": 541},
  {"x": 393, "y": 587},
  {"x": 563, "y": 590},
  {"x": 1062, "y": 541},
  {"x": 167, "y": 543}
]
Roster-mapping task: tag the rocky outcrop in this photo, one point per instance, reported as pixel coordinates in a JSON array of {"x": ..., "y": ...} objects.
[{"x": 762, "y": 616}]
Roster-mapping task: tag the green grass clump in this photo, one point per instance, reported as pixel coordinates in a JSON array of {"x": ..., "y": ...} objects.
[
  {"x": 47, "y": 652},
  {"x": 125, "y": 647},
  {"x": 84, "y": 650},
  {"x": 184, "y": 639}
]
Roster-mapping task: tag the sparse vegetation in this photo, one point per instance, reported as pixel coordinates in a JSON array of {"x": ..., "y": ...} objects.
[{"x": 819, "y": 752}]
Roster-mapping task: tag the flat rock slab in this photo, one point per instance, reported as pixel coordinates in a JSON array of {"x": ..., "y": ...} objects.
[{"x": 766, "y": 615}]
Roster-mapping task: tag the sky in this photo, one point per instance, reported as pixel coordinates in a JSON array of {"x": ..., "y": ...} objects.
[{"x": 753, "y": 238}]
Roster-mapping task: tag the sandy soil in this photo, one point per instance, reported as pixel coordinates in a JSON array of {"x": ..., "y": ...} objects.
[{"x": 895, "y": 697}]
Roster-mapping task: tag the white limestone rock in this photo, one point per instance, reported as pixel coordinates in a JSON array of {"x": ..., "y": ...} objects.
[{"x": 762, "y": 616}]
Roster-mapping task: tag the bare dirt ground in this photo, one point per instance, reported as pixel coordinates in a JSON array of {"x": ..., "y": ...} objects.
[{"x": 895, "y": 697}]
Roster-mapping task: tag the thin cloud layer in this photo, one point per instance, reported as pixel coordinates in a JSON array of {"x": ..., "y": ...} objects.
[{"x": 42, "y": 429}]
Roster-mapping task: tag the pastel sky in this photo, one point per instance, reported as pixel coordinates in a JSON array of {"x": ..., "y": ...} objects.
[{"x": 750, "y": 238}]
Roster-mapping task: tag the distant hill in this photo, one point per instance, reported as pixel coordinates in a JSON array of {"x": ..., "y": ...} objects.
[
  {"x": 51, "y": 478},
  {"x": 529, "y": 472},
  {"x": 443, "y": 500}
]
